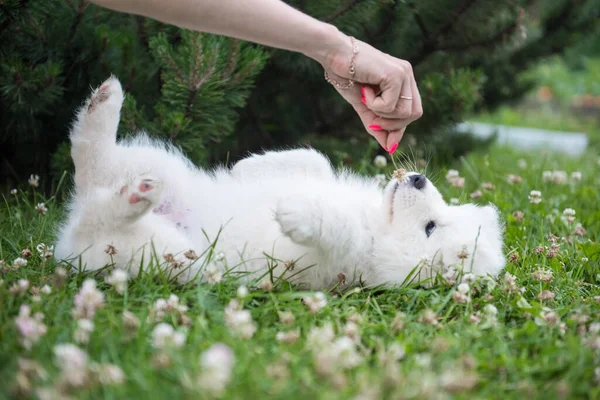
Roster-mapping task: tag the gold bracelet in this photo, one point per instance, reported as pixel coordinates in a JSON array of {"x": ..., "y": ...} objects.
[{"x": 352, "y": 70}]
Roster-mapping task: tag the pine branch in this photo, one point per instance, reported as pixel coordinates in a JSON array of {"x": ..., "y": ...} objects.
[
  {"x": 342, "y": 10},
  {"x": 455, "y": 17},
  {"x": 419, "y": 21},
  {"x": 141, "y": 32},
  {"x": 234, "y": 50},
  {"x": 431, "y": 45},
  {"x": 80, "y": 10},
  {"x": 491, "y": 41},
  {"x": 10, "y": 17}
]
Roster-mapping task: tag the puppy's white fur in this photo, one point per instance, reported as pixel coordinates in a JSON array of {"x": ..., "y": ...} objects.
[{"x": 144, "y": 197}]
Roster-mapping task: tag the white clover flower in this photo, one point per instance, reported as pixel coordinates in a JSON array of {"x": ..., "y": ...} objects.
[
  {"x": 476, "y": 194},
  {"x": 548, "y": 317},
  {"x": 514, "y": 178},
  {"x": 44, "y": 250},
  {"x": 288, "y": 336},
  {"x": 217, "y": 364},
  {"x": 569, "y": 215},
  {"x": 286, "y": 317},
  {"x": 19, "y": 262},
  {"x": 340, "y": 354},
  {"x": 576, "y": 176},
  {"x": 458, "y": 182},
  {"x": 460, "y": 298},
  {"x": 85, "y": 327},
  {"x": 20, "y": 287},
  {"x": 320, "y": 337},
  {"x": 490, "y": 309},
  {"x": 34, "y": 180},
  {"x": 266, "y": 284},
  {"x": 118, "y": 278},
  {"x": 315, "y": 302},
  {"x": 164, "y": 336},
  {"x": 352, "y": 330},
  {"x": 88, "y": 300},
  {"x": 73, "y": 363},
  {"x": 544, "y": 275},
  {"x": 162, "y": 307},
  {"x": 380, "y": 161},
  {"x": 463, "y": 288},
  {"x": 131, "y": 322},
  {"x": 239, "y": 321},
  {"x": 560, "y": 177},
  {"x": 242, "y": 291},
  {"x": 522, "y": 163},
  {"x": 535, "y": 197},
  {"x": 46, "y": 289},
  {"x": 451, "y": 175},
  {"x": 41, "y": 208},
  {"x": 213, "y": 274},
  {"x": 547, "y": 176},
  {"x": 30, "y": 327},
  {"x": 108, "y": 374},
  {"x": 14, "y": 192},
  {"x": 454, "y": 201},
  {"x": 469, "y": 278}
]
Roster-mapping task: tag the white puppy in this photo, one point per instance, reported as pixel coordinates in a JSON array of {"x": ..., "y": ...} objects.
[{"x": 147, "y": 201}]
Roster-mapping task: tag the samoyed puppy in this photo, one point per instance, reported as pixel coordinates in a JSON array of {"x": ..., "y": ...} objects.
[{"x": 140, "y": 202}]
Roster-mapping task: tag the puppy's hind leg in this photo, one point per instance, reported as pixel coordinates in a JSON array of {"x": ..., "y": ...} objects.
[{"x": 93, "y": 134}]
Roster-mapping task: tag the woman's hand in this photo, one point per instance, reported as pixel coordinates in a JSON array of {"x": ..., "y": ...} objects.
[{"x": 385, "y": 93}]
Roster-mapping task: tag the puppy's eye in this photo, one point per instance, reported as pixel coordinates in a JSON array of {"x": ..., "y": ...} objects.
[{"x": 429, "y": 228}]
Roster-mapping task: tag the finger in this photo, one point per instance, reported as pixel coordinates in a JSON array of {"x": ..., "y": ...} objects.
[
  {"x": 417, "y": 106},
  {"x": 405, "y": 102},
  {"x": 389, "y": 124},
  {"x": 367, "y": 117},
  {"x": 394, "y": 138},
  {"x": 386, "y": 102}
]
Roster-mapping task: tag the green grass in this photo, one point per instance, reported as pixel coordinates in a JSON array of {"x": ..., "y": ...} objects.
[
  {"x": 520, "y": 356},
  {"x": 542, "y": 118}
]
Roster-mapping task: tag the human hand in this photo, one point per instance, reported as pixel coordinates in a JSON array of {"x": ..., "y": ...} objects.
[{"x": 384, "y": 95}]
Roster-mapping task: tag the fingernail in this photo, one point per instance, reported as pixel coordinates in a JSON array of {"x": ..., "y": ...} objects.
[
  {"x": 364, "y": 100},
  {"x": 375, "y": 127},
  {"x": 362, "y": 90},
  {"x": 393, "y": 148}
]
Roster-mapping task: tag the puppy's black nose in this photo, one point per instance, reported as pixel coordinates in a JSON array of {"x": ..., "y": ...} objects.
[{"x": 418, "y": 181}]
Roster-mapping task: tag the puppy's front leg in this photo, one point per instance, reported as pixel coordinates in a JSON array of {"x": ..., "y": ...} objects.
[{"x": 314, "y": 221}]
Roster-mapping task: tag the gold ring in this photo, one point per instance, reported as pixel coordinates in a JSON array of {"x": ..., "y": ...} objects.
[{"x": 406, "y": 97}]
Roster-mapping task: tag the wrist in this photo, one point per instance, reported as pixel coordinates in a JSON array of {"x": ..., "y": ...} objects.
[{"x": 329, "y": 46}]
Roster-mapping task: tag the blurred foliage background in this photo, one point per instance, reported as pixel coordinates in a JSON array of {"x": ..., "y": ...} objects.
[{"x": 219, "y": 98}]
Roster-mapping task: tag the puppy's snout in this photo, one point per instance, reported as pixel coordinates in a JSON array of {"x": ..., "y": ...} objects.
[{"x": 418, "y": 181}]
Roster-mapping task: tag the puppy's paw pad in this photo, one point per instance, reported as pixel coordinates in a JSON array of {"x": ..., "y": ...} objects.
[
  {"x": 110, "y": 89},
  {"x": 298, "y": 220},
  {"x": 143, "y": 188}
]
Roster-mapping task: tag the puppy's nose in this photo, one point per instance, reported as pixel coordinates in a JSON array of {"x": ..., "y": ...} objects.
[{"x": 418, "y": 181}]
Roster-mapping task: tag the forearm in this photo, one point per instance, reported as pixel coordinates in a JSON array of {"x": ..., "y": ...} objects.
[{"x": 268, "y": 22}]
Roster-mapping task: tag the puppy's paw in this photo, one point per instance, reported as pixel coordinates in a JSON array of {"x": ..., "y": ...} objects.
[
  {"x": 107, "y": 98},
  {"x": 143, "y": 193},
  {"x": 299, "y": 219}
]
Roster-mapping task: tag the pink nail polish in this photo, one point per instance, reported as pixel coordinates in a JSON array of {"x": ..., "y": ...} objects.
[
  {"x": 375, "y": 127},
  {"x": 393, "y": 148},
  {"x": 364, "y": 100},
  {"x": 362, "y": 90}
]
